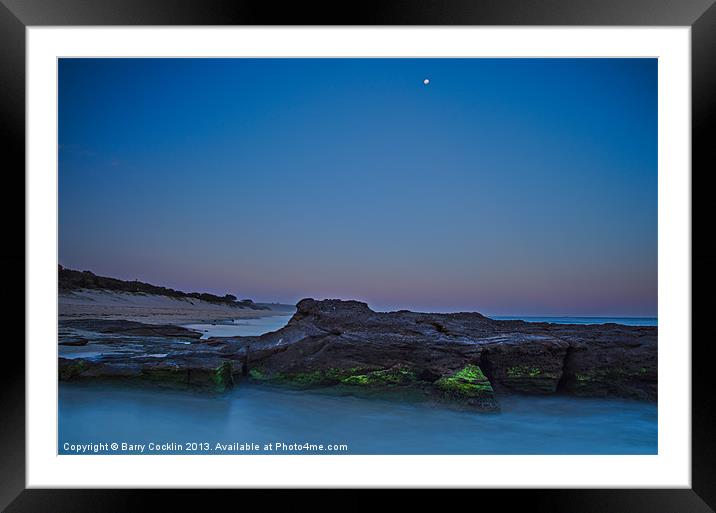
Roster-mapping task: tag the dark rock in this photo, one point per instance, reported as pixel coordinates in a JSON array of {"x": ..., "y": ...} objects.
[
  {"x": 330, "y": 342},
  {"x": 524, "y": 363},
  {"x": 462, "y": 359},
  {"x": 73, "y": 342},
  {"x": 122, "y": 327},
  {"x": 211, "y": 373}
]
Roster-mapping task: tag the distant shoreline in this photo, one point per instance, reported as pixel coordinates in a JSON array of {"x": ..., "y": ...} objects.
[
  {"x": 70, "y": 280},
  {"x": 154, "y": 308},
  {"x": 83, "y": 294},
  {"x": 564, "y": 319}
]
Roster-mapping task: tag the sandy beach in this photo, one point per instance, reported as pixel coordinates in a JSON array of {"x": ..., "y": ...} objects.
[{"x": 153, "y": 309}]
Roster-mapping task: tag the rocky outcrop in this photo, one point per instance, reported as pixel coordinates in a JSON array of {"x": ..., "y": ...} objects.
[
  {"x": 462, "y": 359},
  {"x": 129, "y": 328}
]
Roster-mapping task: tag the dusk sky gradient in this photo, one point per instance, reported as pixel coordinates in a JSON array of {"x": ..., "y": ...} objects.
[{"x": 505, "y": 186}]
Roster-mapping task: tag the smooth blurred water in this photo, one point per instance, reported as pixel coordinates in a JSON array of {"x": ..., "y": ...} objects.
[
  {"x": 627, "y": 321},
  {"x": 253, "y": 414},
  {"x": 241, "y": 327}
]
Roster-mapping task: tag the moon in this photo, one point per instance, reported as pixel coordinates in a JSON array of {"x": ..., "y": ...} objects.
[{"x": 426, "y": 81}]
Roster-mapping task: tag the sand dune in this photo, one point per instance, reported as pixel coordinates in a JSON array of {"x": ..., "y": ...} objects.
[{"x": 153, "y": 309}]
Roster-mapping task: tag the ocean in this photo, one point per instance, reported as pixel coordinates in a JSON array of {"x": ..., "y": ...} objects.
[
  {"x": 628, "y": 321},
  {"x": 95, "y": 414}
]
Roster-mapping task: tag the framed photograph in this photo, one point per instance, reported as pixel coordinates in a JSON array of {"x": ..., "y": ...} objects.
[{"x": 425, "y": 246}]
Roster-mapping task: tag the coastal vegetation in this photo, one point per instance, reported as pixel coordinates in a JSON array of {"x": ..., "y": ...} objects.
[{"x": 70, "y": 280}]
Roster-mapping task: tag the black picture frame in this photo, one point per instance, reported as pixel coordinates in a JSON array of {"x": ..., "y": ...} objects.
[{"x": 700, "y": 15}]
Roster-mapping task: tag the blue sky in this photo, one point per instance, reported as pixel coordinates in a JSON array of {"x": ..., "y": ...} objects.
[{"x": 505, "y": 186}]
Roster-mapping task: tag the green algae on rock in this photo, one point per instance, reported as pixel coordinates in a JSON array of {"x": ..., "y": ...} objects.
[
  {"x": 469, "y": 384},
  {"x": 223, "y": 379},
  {"x": 332, "y": 376},
  {"x": 307, "y": 379},
  {"x": 390, "y": 383},
  {"x": 603, "y": 381},
  {"x": 171, "y": 375},
  {"x": 522, "y": 371},
  {"x": 211, "y": 375},
  {"x": 530, "y": 379},
  {"x": 384, "y": 377}
]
